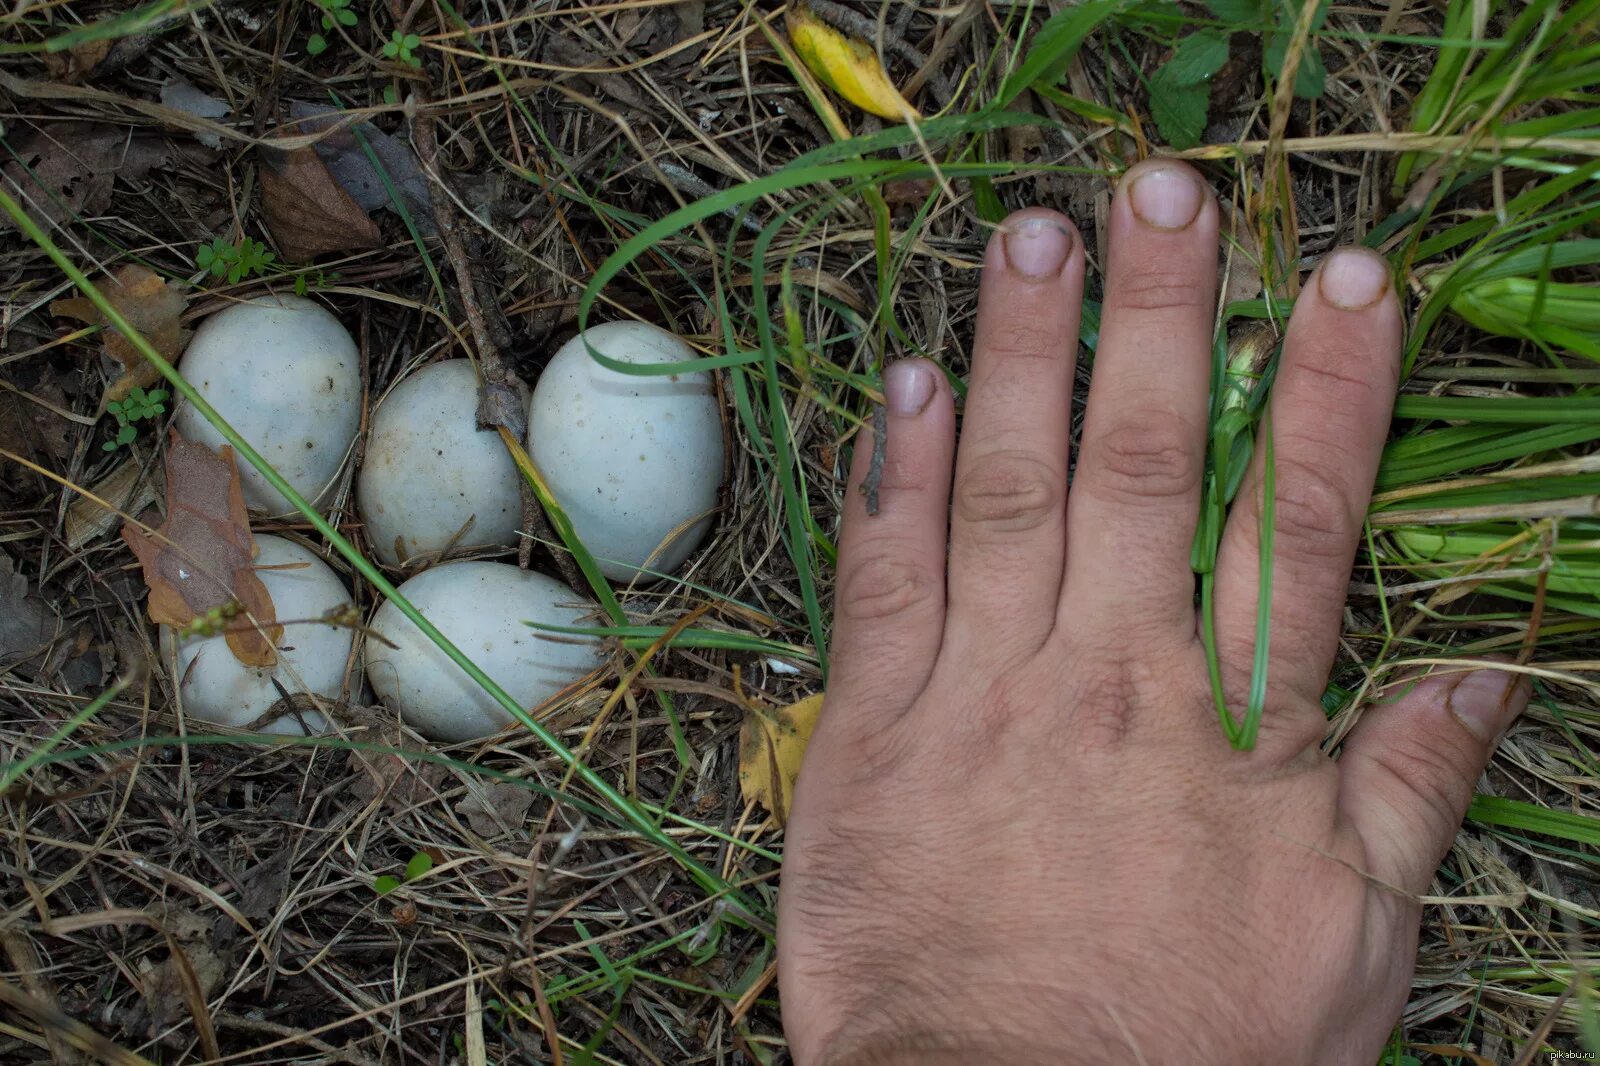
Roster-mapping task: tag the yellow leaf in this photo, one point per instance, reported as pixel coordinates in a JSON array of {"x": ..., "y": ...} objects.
[
  {"x": 846, "y": 65},
  {"x": 770, "y": 749}
]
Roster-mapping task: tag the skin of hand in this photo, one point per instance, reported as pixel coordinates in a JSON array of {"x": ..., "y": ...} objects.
[{"x": 1019, "y": 835}]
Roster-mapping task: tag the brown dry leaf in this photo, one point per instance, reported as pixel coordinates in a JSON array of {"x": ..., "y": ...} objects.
[
  {"x": 151, "y": 306},
  {"x": 126, "y": 489},
  {"x": 770, "y": 749},
  {"x": 78, "y": 61},
  {"x": 65, "y": 169},
  {"x": 492, "y": 809},
  {"x": 400, "y": 781},
  {"x": 203, "y": 558},
  {"x": 308, "y": 212},
  {"x": 1241, "y": 255}
]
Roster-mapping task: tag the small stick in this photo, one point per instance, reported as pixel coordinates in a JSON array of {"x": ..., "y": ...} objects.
[
  {"x": 499, "y": 402},
  {"x": 880, "y": 444}
]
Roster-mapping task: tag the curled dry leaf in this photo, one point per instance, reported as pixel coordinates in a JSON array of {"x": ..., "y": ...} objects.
[
  {"x": 771, "y": 746},
  {"x": 201, "y": 559},
  {"x": 307, "y": 210},
  {"x": 846, "y": 65},
  {"x": 125, "y": 489},
  {"x": 347, "y": 160},
  {"x": 151, "y": 306},
  {"x": 493, "y": 809}
]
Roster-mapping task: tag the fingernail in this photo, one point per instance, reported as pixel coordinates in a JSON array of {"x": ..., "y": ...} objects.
[
  {"x": 1353, "y": 278},
  {"x": 1166, "y": 197},
  {"x": 907, "y": 387},
  {"x": 1037, "y": 247},
  {"x": 1485, "y": 701}
]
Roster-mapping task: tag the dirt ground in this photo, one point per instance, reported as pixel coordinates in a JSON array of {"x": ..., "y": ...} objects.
[{"x": 172, "y": 894}]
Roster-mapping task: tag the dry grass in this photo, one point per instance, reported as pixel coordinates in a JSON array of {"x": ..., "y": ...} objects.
[{"x": 185, "y": 901}]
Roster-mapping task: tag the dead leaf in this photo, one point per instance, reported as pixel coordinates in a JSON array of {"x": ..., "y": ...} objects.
[
  {"x": 770, "y": 749},
  {"x": 203, "y": 558},
  {"x": 183, "y": 96},
  {"x": 308, "y": 212},
  {"x": 846, "y": 65},
  {"x": 32, "y": 429},
  {"x": 492, "y": 809},
  {"x": 65, "y": 169},
  {"x": 125, "y": 488},
  {"x": 182, "y": 983},
  {"x": 398, "y": 780},
  {"x": 151, "y": 306},
  {"x": 347, "y": 160},
  {"x": 78, "y": 61},
  {"x": 1241, "y": 255},
  {"x": 27, "y": 625}
]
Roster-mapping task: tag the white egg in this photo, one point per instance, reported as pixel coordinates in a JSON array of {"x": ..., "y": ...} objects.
[
  {"x": 482, "y": 608},
  {"x": 634, "y": 461},
  {"x": 429, "y": 470},
  {"x": 217, "y": 687},
  {"x": 284, "y": 373}
]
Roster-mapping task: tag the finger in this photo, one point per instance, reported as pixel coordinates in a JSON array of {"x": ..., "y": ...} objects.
[
  {"x": 1408, "y": 770},
  {"x": 1329, "y": 411},
  {"x": 889, "y": 600},
  {"x": 1007, "y": 521},
  {"x": 1136, "y": 492}
]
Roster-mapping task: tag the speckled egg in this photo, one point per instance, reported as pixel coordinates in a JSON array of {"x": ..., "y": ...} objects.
[
  {"x": 482, "y": 607},
  {"x": 634, "y": 460},
  {"x": 284, "y": 373},
  {"x": 431, "y": 478}
]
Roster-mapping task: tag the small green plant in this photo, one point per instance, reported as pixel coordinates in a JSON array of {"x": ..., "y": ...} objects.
[
  {"x": 1180, "y": 89},
  {"x": 234, "y": 261},
  {"x": 136, "y": 407},
  {"x": 333, "y": 12},
  {"x": 420, "y": 864},
  {"x": 402, "y": 46}
]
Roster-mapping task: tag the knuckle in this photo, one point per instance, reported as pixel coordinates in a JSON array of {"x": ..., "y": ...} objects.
[
  {"x": 1147, "y": 455},
  {"x": 908, "y": 475},
  {"x": 1337, "y": 387},
  {"x": 1023, "y": 340},
  {"x": 883, "y": 582},
  {"x": 1160, "y": 287},
  {"x": 1425, "y": 776},
  {"x": 1010, "y": 492},
  {"x": 1312, "y": 516}
]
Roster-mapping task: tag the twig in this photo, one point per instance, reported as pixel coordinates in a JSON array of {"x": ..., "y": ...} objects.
[
  {"x": 880, "y": 444},
  {"x": 500, "y": 402}
]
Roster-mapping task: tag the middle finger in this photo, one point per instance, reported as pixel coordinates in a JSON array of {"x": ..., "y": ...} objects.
[{"x": 1136, "y": 492}]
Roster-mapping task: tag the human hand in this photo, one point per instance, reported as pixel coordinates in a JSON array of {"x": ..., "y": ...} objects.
[{"x": 1019, "y": 835}]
